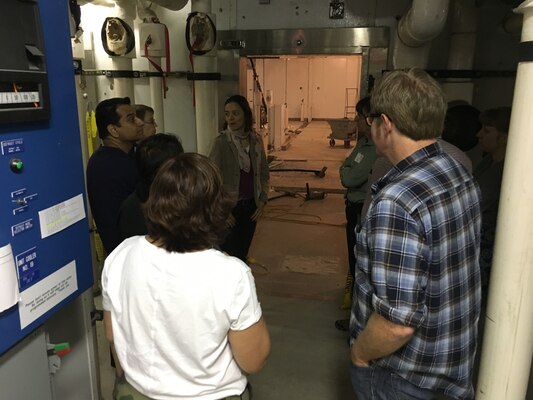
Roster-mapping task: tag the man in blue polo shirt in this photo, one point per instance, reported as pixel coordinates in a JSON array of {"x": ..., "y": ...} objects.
[{"x": 417, "y": 289}]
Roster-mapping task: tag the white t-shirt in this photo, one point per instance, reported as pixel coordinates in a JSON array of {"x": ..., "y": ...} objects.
[{"x": 171, "y": 313}]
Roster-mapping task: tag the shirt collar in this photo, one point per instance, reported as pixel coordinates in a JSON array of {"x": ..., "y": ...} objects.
[{"x": 415, "y": 158}]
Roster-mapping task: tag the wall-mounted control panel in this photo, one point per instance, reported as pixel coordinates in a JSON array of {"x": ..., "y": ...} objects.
[
  {"x": 45, "y": 258},
  {"x": 24, "y": 94}
]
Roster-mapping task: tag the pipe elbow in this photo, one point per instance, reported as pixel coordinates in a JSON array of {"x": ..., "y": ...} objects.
[
  {"x": 174, "y": 5},
  {"x": 423, "y": 22}
]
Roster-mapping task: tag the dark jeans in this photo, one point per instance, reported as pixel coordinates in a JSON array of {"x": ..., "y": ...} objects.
[
  {"x": 353, "y": 218},
  {"x": 375, "y": 383},
  {"x": 240, "y": 237}
]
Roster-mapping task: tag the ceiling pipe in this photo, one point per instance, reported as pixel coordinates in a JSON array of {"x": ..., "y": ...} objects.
[
  {"x": 146, "y": 11},
  {"x": 421, "y": 24},
  {"x": 126, "y": 9},
  {"x": 174, "y": 5},
  {"x": 146, "y": 8},
  {"x": 462, "y": 49}
]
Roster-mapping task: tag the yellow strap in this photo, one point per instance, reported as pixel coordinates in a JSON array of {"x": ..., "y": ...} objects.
[
  {"x": 88, "y": 123},
  {"x": 93, "y": 125}
]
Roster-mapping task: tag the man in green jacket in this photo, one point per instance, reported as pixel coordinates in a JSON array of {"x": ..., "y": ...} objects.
[{"x": 354, "y": 173}]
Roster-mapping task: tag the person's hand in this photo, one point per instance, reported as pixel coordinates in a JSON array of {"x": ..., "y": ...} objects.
[{"x": 257, "y": 214}]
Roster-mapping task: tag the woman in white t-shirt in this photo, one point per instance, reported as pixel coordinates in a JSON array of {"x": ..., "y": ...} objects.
[{"x": 183, "y": 317}]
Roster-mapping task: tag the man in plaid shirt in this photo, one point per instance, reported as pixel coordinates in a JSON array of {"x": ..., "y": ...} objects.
[{"x": 417, "y": 289}]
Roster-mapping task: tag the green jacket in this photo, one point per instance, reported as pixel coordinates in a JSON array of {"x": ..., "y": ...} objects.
[
  {"x": 224, "y": 154},
  {"x": 355, "y": 170}
]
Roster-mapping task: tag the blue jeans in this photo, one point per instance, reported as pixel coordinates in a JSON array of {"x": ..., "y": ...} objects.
[{"x": 375, "y": 383}]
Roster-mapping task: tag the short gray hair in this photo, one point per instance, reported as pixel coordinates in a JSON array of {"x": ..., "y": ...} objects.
[{"x": 413, "y": 101}]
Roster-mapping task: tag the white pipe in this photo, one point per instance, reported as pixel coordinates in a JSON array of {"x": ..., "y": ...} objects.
[
  {"x": 126, "y": 10},
  {"x": 463, "y": 35},
  {"x": 173, "y": 5},
  {"x": 508, "y": 340},
  {"x": 145, "y": 11},
  {"x": 205, "y": 91},
  {"x": 156, "y": 97},
  {"x": 421, "y": 24},
  {"x": 153, "y": 44},
  {"x": 122, "y": 87},
  {"x": 461, "y": 50}
]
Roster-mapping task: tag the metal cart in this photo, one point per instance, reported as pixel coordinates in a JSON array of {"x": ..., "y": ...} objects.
[{"x": 342, "y": 129}]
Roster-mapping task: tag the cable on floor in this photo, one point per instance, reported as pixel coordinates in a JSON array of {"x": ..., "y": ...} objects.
[{"x": 280, "y": 214}]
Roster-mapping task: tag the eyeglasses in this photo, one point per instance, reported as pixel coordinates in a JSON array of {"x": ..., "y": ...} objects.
[{"x": 370, "y": 118}]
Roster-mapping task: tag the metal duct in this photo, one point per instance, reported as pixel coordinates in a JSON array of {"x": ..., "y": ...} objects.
[{"x": 423, "y": 22}]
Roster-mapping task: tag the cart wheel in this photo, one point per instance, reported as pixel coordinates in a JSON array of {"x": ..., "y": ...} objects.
[{"x": 332, "y": 142}]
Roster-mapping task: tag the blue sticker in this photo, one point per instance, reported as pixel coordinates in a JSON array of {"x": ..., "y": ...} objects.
[
  {"x": 21, "y": 227},
  {"x": 12, "y": 146},
  {"x": 27, "y": 268}
]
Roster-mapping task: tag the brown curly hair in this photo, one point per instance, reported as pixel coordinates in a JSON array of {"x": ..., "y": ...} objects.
[{"x": 188, "y": 208}]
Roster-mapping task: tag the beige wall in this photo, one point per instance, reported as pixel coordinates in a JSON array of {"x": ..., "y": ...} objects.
[{"x": 327, "y": 86}]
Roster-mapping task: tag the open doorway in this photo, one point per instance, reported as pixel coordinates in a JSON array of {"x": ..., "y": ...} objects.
[
  {"x": 294, "y": 90},
  {"x": 311, "y": 86}
]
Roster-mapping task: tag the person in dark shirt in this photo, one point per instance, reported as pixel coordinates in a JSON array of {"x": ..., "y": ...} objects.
[
  {"x": 493, "y": 141},
  {"x": 111, "y": 171},
  {"x": 150, "y": 155}
]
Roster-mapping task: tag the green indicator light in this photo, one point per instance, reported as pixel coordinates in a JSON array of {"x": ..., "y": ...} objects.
[{"x": 19, "y": 165}]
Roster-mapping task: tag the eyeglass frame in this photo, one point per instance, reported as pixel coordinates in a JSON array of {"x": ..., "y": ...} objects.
[{"x": 369, "y": 118}]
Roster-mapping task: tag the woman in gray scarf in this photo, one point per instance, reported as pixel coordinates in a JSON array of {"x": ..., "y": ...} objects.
[{"x": 239, "y": 153}]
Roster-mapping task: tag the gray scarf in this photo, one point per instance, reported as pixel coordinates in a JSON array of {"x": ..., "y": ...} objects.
[{"x": 243, "y": 143}]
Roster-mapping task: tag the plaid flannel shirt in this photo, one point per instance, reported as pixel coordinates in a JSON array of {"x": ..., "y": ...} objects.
[{"x": 418, "y": 265}]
